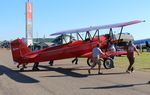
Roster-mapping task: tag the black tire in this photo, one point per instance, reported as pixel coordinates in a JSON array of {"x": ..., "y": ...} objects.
[
  {"x": 90, "y": 62},
  {"x": 108, "y": 63},
  {"x": 35, "y": 69},
  {"x": 75, "y": 61},
  {"x": 22, "y": 69},
  {"x": 51, "y": 63},
  {"x": 35, "y": 66}
]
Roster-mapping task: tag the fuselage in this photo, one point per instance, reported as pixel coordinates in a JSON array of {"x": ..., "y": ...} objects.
[{"x": 70, "y": 50}]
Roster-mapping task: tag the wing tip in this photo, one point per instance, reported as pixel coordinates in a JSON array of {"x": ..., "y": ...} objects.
[{"x": 144, "y": 20}]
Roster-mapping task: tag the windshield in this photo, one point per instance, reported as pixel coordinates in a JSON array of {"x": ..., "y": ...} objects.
[{"x": 63, "y": 39}]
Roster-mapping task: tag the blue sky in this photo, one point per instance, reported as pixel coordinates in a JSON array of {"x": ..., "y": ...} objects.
[{"x": 51, "y": 16}]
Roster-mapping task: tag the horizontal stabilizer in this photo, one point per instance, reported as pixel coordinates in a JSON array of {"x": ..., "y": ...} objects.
[{"x": 31, "y": 56}]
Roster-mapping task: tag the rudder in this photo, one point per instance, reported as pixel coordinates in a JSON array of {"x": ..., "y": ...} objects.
[{"x": 19, "y": 49}]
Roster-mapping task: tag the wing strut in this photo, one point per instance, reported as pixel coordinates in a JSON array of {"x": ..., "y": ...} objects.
[
  {"x": 70, "y": 37},
  {"x": 87, "y": 35},
  {"x": 97, "y": 31},
  {"x": 98, "y": 36},
  {"x": 120, "y": 34},
  {"x": 79, "y": 35}
]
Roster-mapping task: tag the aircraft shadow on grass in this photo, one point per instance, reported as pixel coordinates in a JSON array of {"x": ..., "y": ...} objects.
[
  {"x": 16, "y": 76},
  {"x": 117, "y": 73},
  {"x": 146, "y": 68},
  {"x": 116, "y": 86}
]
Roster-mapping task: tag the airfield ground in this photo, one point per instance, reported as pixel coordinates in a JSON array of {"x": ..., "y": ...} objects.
[{"x": 65, "y": 78}]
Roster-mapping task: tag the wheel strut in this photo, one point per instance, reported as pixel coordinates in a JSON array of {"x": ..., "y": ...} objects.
[{"x": 35, "y": 66}]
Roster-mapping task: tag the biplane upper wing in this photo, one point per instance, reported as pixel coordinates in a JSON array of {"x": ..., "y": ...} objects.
[{"x": 91, "y": 28}]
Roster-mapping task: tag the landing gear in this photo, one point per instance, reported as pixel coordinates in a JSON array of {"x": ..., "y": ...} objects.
[
  {"x": 35, "y": 66},
  {"x": 108, "y": 63},
  {"x": 51, "y": 63},
  {"x": 75, "y": 60},
  {"x": 18, "y": 65},
  {"x": 90, "y": 62},
  {"x": 23, "y": 67}
]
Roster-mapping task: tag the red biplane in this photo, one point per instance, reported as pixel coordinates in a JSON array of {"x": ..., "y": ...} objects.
[{"x": 74, "y": 48}]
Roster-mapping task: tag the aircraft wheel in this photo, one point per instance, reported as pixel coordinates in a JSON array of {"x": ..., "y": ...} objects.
[
  {"x": 51, "y": 63},
  {"x": 90, "y": 62},
  {"x": 35, "y": 66},
  {"x": 75, "y": 61},
  {"x": 35, "y": 69},
  {"x": 108, "y": 63},
  {"x": 22, "y": 69}
]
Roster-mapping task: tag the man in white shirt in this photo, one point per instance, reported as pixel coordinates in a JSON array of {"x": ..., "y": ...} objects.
[
  {"x": 112, "y": 49},
  {"x": 96, "y": 52}
]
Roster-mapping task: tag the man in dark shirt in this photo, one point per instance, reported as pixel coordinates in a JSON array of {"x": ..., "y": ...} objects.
[{"x": 131, "y": 56}]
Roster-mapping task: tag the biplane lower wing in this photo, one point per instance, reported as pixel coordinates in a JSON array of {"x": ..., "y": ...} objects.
[
  {"x": 108, "y": 54},
  {"x": 117, "y": 53},
  {"x": 87, "y": 55}
]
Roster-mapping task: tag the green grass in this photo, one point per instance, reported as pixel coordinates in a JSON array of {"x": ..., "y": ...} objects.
[{"x": 142, "y": 62}]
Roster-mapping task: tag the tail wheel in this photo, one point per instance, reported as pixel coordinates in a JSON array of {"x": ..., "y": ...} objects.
[
  {"x": 22, "y": 69},
  {"x": 90, "y": 62},
  {"x": 108, "y": 63}
]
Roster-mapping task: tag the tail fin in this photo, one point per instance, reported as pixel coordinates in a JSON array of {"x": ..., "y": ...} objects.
[{"x": 19, "y": 49}]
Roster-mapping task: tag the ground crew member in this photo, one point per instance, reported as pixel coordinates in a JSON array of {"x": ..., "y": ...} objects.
[
  {"x": 96, "y": 53},
  {"x": 131, "y": 56}
]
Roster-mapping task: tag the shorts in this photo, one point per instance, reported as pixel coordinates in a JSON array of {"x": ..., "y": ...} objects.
[
  {"x": 131, "y": 59},
  {"x": 96, "y": 60}
]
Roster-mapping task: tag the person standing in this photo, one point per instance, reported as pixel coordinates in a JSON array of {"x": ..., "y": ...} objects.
[
  {"x": 112, "y": 49},
  {"x": 96, "y": 53},
  {"x": 131, "y": 56}
]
